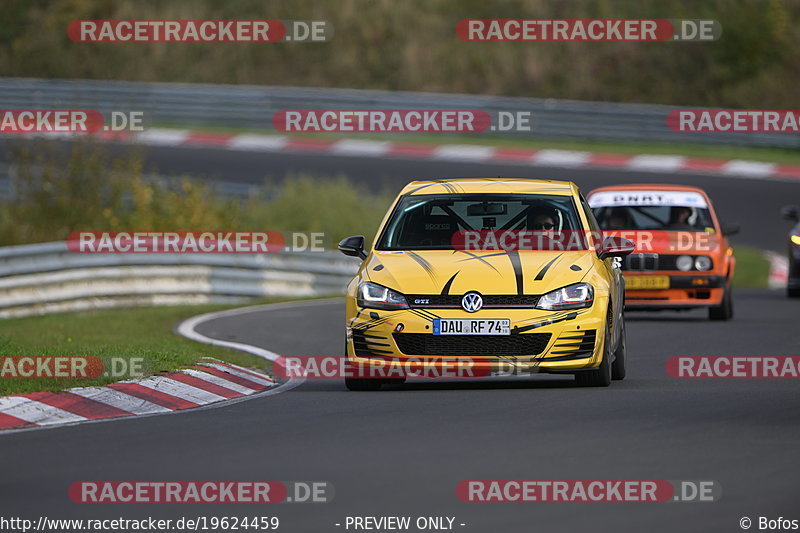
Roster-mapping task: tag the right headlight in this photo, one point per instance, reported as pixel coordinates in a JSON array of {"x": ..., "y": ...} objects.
[
  {"x": 703, "y": 262},
  {"x": 684, "y": 263},
  {"x": 374, "y": 296},
  {"x": 575, "y": 296}
]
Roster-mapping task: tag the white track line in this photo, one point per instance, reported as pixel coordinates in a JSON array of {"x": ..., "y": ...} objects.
[
  {"x": 187, "y": 329},
  {"x": 44, "y": 415}
]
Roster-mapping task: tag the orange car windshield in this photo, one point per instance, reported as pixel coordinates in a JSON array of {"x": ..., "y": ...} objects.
[{"x": 653, "y": 217}]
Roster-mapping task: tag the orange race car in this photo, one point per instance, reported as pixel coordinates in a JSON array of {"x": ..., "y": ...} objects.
[{"x": 682, "y": 259}]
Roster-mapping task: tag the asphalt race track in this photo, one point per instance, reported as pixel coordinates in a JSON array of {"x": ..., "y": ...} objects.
[{"x": 402, "y": 451}]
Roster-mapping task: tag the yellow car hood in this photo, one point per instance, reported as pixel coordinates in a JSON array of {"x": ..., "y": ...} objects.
[{"x": 489, "y": 272}]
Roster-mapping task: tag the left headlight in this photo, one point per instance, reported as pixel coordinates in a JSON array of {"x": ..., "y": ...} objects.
[
  {"x": 376, "y": 296},
  {"x": 575, "y": 296}
]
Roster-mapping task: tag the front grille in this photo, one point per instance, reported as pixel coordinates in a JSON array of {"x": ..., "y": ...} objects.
[
  {"x": 471, "y": 345},
  {"x": 449, "y": 301},
  {"x": 638, "y": 261},
  {"x": 367, "y": 344},
  {"x": 655, "y": 262}
]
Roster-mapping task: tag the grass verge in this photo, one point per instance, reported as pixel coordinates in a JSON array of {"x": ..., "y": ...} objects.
[
  {"x": 127, "y": 333},
  {"x": 752, "y": 268}
]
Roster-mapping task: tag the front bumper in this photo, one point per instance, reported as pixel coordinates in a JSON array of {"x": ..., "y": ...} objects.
[
  {"x": 540, "y": 341},
  {"x": 684, "y": 292}
]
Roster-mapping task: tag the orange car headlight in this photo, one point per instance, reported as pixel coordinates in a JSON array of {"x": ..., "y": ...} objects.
[{"x": 703, "y": 262}]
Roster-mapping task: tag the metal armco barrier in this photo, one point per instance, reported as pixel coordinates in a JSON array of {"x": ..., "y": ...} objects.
[
  {"x": 46, "y": 278},
  {"x": 248, "y": 106}
]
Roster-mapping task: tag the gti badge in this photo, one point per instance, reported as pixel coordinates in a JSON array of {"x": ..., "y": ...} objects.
[{"x": 471, "y": 302}]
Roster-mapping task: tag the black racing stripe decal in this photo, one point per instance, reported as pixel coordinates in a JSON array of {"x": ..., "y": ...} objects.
[
  {"x": 424, "y": 314},
  {"x": 446, "y": 288},
  {"x": 570, "y": 316},
  {"x": 412, "y": 191},
  {"x": 513, "y": 256},
  {"x": 481, "y": 259},
  {"x": 478, "y": 257},
  {"x": 544, "y": 270},
  {"x": 375, "y": 322},
  {"x": 450, "y": 188},
  {"x": 557, "y": 315},
  {"x": 423, "y": 263}
]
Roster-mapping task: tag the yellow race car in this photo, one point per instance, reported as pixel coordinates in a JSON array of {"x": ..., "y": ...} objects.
[{"x": 487, "y": 273}]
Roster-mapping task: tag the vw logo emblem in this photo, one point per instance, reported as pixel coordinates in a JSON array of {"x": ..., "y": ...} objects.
[{"x": 471, "y": 302}]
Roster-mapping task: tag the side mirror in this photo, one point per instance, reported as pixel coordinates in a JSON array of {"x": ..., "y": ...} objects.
[
  {"x": 729, "y": 229},
  {"x": 616, "y": 247},
  {"x": 791, "y": 212},
  {"x": 353, "y": 246}
]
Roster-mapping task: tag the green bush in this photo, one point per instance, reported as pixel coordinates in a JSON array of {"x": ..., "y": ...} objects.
[{"x": 86, "y": 189}]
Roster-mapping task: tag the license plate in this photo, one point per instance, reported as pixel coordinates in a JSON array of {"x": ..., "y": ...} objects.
[
  {"x": 471, "y": 326},
  {"x": 647, "y": 282}
]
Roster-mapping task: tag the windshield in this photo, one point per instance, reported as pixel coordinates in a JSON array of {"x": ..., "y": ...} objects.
[
  {"x": 654, "y": 217},
  {"x": 430, "y": 222}
]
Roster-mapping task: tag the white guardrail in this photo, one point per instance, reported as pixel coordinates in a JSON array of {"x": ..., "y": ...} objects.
[
  {"x": 190, "y": 105},
  {"x": 38, "y": 279}
]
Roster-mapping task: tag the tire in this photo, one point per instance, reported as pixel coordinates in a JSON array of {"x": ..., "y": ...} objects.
[
  {"x": 793, "y": 292},
  {"x": 724, "y": 311},
  {"x": 393, "y": 381},
  {"x": 618, "y": 366},
  {"x": 600, "y": 376},
  {"x": 362, "y": 384}
]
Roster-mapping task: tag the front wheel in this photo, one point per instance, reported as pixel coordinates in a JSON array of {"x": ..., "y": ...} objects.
[
  {"x": 600, "y": 376},
  {"x": 793, "y": 292},
  {"x": 724, "y": 311},
  {"x": 362, "y": 384},
  {"x": 618, "y": 366}
]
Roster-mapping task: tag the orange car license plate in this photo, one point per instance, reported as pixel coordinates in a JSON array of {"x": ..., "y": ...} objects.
[{"x": 646, "y": 282}]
